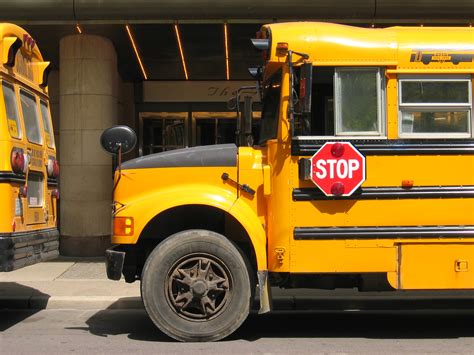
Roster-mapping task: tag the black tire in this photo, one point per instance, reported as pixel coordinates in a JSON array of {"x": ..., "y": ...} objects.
[{"x": 196, "y": 286}]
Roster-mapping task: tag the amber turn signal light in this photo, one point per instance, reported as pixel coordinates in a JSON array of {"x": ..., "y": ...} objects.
[
  {"x": 123, "y": 226},
  {"x": 282, "y": 48}
]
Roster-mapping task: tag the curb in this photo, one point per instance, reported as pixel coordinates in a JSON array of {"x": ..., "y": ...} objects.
[{"x": 70, "y": 302}]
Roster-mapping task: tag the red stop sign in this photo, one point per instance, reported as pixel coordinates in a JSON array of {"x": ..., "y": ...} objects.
[{"x": 338, "y": 169}]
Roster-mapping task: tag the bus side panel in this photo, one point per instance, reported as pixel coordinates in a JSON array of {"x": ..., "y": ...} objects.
[
  {"x": 7, "y": 209},
  {"x": 327, "y": 256},
  {"x": 436, "y": 266}
]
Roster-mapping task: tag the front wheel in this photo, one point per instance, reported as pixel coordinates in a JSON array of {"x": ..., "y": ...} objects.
[{"x": 196, "y": 286}]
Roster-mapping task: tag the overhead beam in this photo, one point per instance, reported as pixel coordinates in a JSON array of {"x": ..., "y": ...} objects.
[
  {"x": 357, "y": 22},
  {"x": 181, "y": 52},
  {"x": 135, "y": 50},
  {"x": 226, "y": 46},
  {"x": 142, "y": 11}
]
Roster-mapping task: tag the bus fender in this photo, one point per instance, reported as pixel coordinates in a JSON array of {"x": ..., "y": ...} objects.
[{"x": 153, "y": 204}]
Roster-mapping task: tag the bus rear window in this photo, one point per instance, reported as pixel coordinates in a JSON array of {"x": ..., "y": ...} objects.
[
  {"x": 48, "y": 129},
  {"x": 30, "y": 116},
  {"x": 35, "y": 191},
  {"x": 11, "y": 110}
]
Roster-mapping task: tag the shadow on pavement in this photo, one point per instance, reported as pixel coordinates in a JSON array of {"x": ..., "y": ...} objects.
[
  {"x": 403, "y": 323},
  {"x": 369, "y": 324},
  {"x": 119, "y": 319},
  {"x": 15, "y": 297}
]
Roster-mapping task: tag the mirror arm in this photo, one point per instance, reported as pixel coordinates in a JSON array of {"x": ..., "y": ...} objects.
[
  {"x": 237, "y": 103},
  {"x": 303, "y": 55},
  {"x": 237, "y": 110},
  {"x": 117, "y": 157}
]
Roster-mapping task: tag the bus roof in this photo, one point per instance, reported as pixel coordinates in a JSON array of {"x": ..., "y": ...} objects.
[
  {"x": 20, "y": 55},
  {"x": 405, "y": 49}
]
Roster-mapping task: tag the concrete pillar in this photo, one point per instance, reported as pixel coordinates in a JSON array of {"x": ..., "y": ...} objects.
[
  {"x": 88, "y": 105},
  {"x": 53, "y": 92}
]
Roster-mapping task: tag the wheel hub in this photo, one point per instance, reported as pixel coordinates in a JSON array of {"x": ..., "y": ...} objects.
[{"x": 199, "y": 287}]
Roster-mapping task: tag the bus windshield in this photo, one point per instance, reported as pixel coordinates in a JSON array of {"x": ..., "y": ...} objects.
[
  {"x": 11, "y": 108},
  {"x": 271, "y": 97},
  {"x": 48, "y": 129},
  {"x": 30, "y": 115}
]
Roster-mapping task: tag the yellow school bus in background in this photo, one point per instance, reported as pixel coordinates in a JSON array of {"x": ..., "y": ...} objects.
[
  {"x": 28, "y": 166},
  {"x": 362, "y": 175}
]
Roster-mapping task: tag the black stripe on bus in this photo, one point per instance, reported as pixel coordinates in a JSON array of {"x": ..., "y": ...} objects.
[
  {"x": 12, "y": 177},
  {"x": 52, "y": 182},
  {"x": 386, "y": 193},
  {"x": 403, "y": 232},
  {"x": 392, "y": 147}
]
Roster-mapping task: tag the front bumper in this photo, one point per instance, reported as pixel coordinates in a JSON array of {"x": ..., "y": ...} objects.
[
  {"x": 27, "y": 248},
  {"x": 114, "y": 261}
]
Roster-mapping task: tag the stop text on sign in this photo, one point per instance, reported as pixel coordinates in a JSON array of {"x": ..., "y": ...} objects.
[{"x": 338, "y": 168}]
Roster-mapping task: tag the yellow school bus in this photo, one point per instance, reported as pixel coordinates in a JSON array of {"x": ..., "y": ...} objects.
[
  {"x": 28, "y": 166},
  {"x": 362, "y": 176}
]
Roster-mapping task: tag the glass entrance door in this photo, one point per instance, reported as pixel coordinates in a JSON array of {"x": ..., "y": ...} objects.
[
  {"x": 162, "y": 131},
  {"x": 213, "y": 128}
]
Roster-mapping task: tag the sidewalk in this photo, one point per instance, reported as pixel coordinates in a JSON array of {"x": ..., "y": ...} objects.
[{"x": 81, "y": 283}]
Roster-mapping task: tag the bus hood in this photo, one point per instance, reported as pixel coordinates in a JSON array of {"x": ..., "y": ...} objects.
[{"x": 203, "y": 156}]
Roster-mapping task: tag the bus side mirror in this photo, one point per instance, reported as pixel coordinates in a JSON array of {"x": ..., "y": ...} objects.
[
  {"x": 306, "y": 88},
  {"x": 118, "y": 139}
]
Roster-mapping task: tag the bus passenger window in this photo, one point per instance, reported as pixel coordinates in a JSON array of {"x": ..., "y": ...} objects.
[
  {"x": 322, "y": 105},
  {"x": 30, "y": 117},
  {"x": 47, "y": 124},
  {"x": 358, "y": 107},
  {"x": 346, "y": 101},
  {"x": 11, "y": 109},
  {"x": 435, "y": 107}
]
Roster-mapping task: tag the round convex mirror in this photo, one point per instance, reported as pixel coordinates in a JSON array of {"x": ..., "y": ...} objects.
[{"x": 114, "y": 137}]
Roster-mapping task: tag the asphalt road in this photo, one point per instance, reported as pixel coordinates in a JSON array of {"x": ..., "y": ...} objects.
[{"x": 112, "y": 331}]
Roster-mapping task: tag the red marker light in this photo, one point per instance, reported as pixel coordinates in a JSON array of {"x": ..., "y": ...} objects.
[
  {"x": 337, "y": 189},
  {"x": 18, "y": 161},
  {"x": 337, "y": 150},
  {"x": 55, "y": 168},
  {"x": 55, "y": 194},
  {"x": 23, "y": 191},
  {"x": 52, "y": 167}
]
